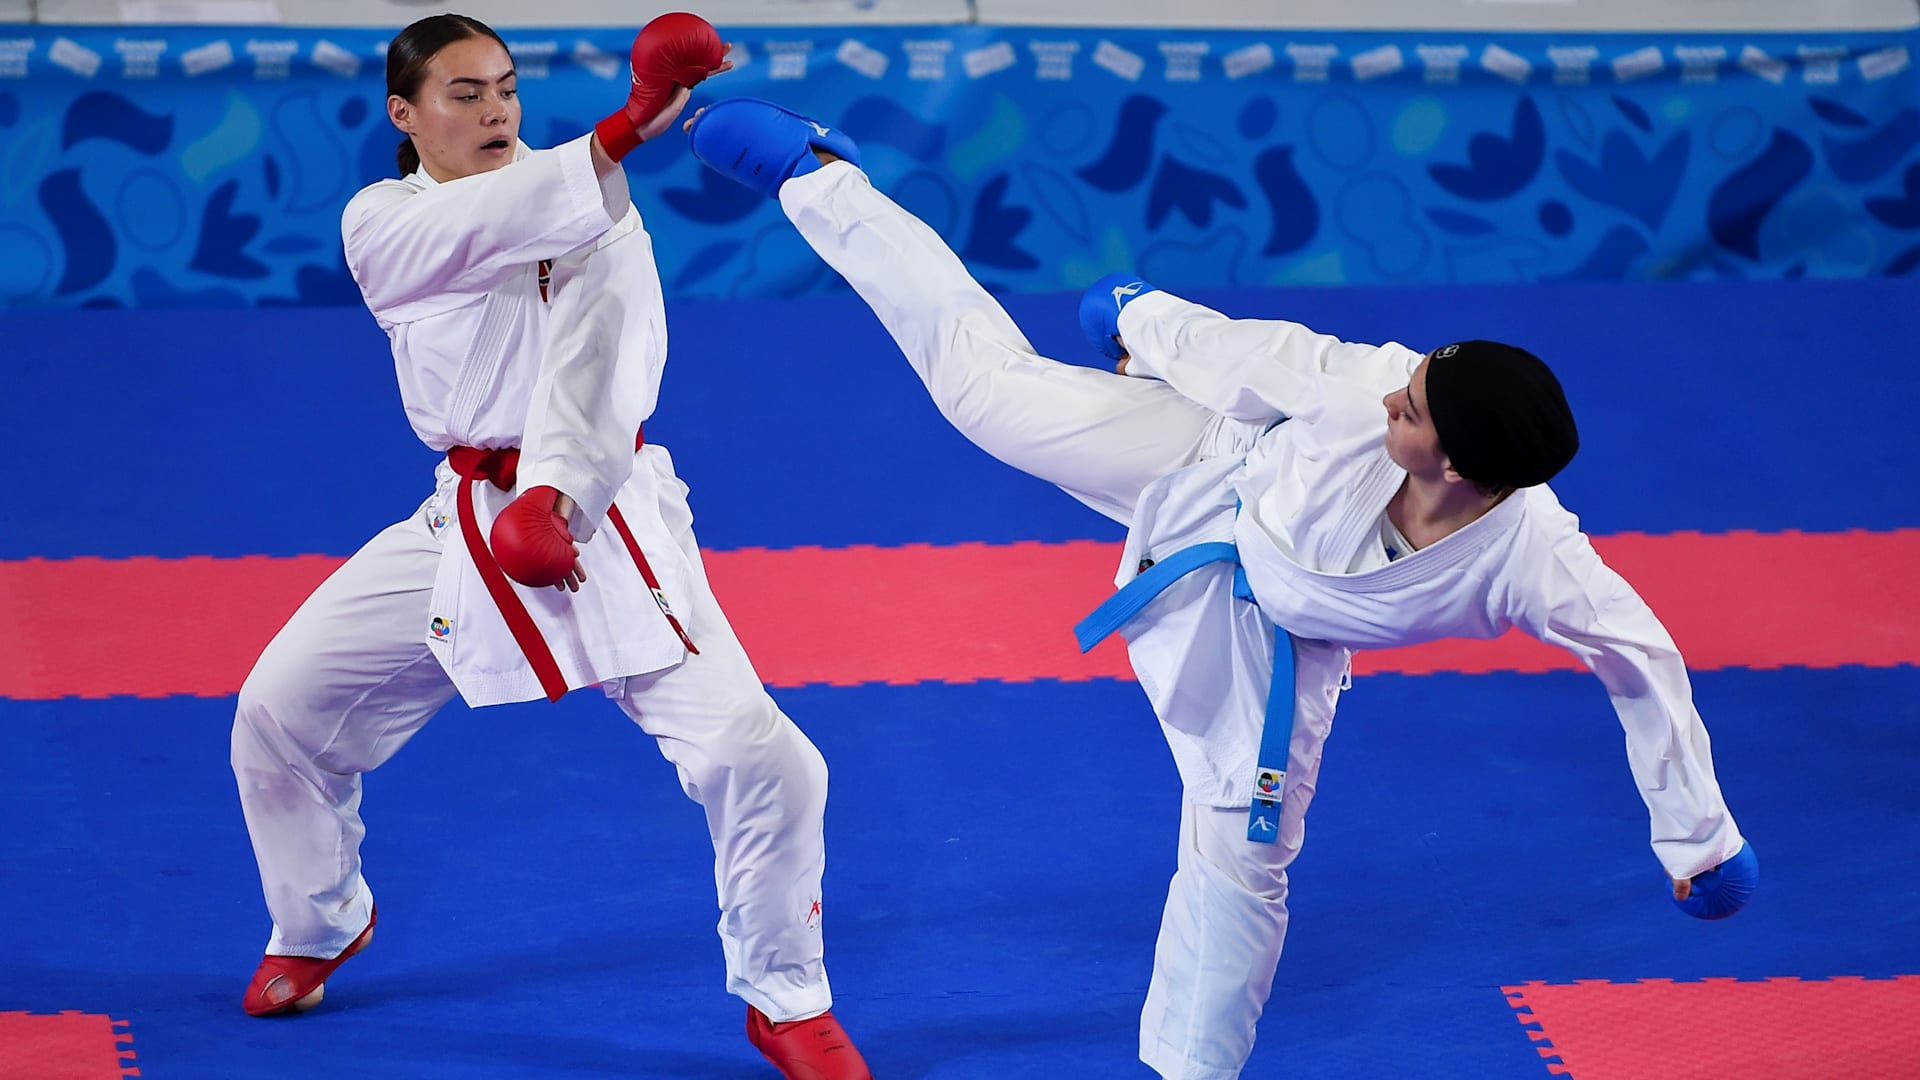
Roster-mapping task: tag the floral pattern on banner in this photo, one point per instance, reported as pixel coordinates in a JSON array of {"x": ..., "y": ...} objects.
[{"x": 208, "y": 167}]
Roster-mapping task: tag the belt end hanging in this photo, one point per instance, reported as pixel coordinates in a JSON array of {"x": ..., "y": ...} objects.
[
  {"x": 1263, "y": 822},
  {"x": 1263, "y": 818}
]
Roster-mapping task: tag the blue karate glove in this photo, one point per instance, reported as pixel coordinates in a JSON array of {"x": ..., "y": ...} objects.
[
  {"x": 1100, "y": 310},
  {"x": 1724, "y": 889}
]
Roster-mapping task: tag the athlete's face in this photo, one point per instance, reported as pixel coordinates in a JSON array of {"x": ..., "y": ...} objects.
[
  {"x": 465, "y": 119},
  {"x": 1412, "y": 441}
]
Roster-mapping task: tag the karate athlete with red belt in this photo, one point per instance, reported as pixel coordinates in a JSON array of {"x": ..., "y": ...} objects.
[
  {"x": 520, "y": 294},
  {"x": 1289, "y": 498}
]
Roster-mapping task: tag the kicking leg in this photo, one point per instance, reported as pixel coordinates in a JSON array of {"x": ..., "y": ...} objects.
[{"x": 1102, "y": 437}]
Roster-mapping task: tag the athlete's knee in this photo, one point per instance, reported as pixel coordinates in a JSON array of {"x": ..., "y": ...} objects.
[
  {"x": 1263, "y": 874},
  {"x": 1256, "y": 868},
  {"x": 787, "y": 753},
  {"x": 760, "y": 750},
  {"x": 974, "y": 352},
  {"x": 259, "y": 714},
  {"x": 278, "y": 715}
]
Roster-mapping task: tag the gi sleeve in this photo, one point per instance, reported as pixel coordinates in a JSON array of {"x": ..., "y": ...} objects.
[
  {"x": 1591, "y": 611},
  {"x": 600, "y": 375},
  {"x": 413, "y": 250},
  {"x": 1249, "y": 369}
]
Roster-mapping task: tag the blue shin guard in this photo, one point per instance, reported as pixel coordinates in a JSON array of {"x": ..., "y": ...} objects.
[
  {"x": 1724, "y": 889},
  {"x": 763, "y": 145}
]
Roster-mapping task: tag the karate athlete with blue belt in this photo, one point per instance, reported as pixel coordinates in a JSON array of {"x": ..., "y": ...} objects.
[
  {"x": 519, "y": 292},
  {"x": 1288, "y": 496}
]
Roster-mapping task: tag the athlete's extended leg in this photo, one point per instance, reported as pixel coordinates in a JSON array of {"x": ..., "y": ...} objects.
[
  {"x": 343, "y": 685},
  {"x": 1101, "y": 436}
]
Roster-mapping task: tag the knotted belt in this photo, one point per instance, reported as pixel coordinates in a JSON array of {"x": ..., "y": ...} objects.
[
  {"x": 1276, "y": 729},
  {"x": 500, "y": 467}
]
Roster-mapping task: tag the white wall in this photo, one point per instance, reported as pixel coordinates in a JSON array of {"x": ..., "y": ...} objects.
[
  {"x": 1603, "y": 15},
  {"x": 502, "y": 13},
  {"x": 1600, "y": 15}
]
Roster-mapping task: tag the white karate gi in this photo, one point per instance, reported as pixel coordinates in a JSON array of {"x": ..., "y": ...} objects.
[
  {"x": 451, "y": 272},
  {"x": 1171, "y": 456}
]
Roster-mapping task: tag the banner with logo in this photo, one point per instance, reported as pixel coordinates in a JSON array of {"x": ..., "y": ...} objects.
[{"x": 208, "y": 166}]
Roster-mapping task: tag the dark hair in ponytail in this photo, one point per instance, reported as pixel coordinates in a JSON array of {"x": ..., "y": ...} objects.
[{"x": 408, "y": 55}]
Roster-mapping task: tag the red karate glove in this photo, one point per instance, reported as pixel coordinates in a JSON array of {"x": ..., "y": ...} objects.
[
  {"x": 532, "y": 544},
  {"x": 676, "y": 49}
]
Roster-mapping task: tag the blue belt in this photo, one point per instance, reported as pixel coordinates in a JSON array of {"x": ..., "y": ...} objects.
[{"x": 1276, "y": 731}]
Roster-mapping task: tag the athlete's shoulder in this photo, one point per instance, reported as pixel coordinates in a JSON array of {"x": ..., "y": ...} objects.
[
  {"x": 377, "y": 196},
  {"x": 1543, "y": 506},
  {"x": 1549, "y": 534}
]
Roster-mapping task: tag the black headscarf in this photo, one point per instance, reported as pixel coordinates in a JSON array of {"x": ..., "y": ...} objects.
[{"x": 1502, "y": 418}]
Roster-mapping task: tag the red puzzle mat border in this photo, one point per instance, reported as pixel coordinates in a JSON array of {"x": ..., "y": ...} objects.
[
  {"x": 1771, "y": 1029},
  {"x": 65, "y": 1046}
]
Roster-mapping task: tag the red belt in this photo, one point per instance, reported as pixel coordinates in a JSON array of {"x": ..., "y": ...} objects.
[{"x": 500, "y": 468}]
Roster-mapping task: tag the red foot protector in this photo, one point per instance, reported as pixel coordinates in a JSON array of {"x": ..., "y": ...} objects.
[
  {"x": 1774, "y": 1029},
  {"x": 292, "y": 984},
  {"x": 811, "y": 1049},
  {"x": 65, "y": 1046}
]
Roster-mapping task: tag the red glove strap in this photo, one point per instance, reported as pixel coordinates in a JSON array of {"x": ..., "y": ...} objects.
[{"x": 617, "y": 134}]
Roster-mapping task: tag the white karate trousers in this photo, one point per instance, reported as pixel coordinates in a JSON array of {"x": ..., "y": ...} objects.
[
  {"x": 349, "y": 680},
  {"x": 1102, "y": 438}
]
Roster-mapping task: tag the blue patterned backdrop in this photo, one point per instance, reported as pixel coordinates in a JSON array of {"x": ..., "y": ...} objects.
[{"x": 207, "y": 166}]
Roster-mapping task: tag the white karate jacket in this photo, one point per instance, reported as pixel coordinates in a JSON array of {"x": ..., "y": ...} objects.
[
  {"x": 1310, "y": 494},
  {"x": 452, "y": 274}
]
